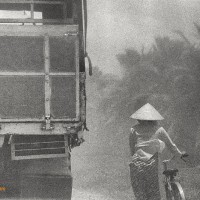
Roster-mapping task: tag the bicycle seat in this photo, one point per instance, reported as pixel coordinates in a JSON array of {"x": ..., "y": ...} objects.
[{"x": 170, "y": 172}]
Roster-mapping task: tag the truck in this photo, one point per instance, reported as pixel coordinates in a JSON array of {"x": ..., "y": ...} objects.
[{"x": 42, "y": 95}]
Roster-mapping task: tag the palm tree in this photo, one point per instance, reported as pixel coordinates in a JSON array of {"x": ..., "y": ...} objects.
[{"x": 167, "y": 76}]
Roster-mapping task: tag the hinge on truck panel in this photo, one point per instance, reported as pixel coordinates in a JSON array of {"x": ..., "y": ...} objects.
[{"x": 48, "y": 125}]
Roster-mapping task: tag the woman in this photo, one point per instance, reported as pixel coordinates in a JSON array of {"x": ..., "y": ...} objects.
[{"x": 146, "y": 140}]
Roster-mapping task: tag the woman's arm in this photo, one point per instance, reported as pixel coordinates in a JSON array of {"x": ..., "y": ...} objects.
[
  {"x": 132, "y": 141},
  {"x": 162, "y": 134}
]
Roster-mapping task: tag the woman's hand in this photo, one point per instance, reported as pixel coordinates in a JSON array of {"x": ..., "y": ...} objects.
[{"x": 184, "y": 155}]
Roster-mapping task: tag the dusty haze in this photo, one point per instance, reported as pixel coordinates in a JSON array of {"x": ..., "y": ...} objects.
[
  {"x": 153, "y": 46},
  {"x": 114, "y": 25}
]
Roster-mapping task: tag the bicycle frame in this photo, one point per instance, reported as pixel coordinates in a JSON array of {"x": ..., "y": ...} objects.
[{"x": 173, "y": 188}]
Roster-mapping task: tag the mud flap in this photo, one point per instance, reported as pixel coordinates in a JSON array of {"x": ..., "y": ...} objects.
[
  {"x": 46, "y": 187},
  {"x": 46, "y": 179}
]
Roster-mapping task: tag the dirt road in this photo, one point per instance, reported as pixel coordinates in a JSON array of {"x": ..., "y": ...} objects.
[{"x": 87, "y": 195}]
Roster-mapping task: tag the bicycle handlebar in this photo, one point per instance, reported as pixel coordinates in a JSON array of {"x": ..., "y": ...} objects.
[
  {"x": 165, "y": 161},
  {"x": 184, "y": 155}
]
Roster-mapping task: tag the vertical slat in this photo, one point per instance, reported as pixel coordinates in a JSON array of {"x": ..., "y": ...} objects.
[
  {"x": 65, "y": 10},
  {"x": 83, "y": 25},
  {"x": 12, "y": 146},
  {"x": 32, "y": 11},
  {"x": 47, "y": 79},
  {"x": 77, "y": 78}
]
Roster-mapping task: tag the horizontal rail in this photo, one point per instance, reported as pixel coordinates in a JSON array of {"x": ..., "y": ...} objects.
[
  {"x": 61, "y": 30},
  {"x": 39, "y": 156},
  {"x": 46, "y": 21},
  {"x": 36, "y": 74},
  {"x": 37, "y": 120},
  {"x": 30, "y": 2},
  {"x": 20, "y": 120},
  {"x": 40, "y": 142},
  {"x": 21, "y": 74},
  {"x": 39, "y": 149},
  {"x": 62, "y": 73}
]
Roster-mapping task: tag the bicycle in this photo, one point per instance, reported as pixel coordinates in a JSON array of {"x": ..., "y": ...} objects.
[{"x": 174, "y": 190}]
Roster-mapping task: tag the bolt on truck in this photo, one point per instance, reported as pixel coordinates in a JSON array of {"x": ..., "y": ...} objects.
[{"x": 42, "y": 95}]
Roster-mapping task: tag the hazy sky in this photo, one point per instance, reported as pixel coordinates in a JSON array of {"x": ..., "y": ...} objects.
[{"x": 114, "y": 25}]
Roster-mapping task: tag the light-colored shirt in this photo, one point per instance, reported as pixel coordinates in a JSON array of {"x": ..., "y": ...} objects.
[{"x": 148, "y": 141}]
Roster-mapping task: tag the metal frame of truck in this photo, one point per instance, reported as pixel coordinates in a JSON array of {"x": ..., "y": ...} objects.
[{"x": 38, "y": 139}]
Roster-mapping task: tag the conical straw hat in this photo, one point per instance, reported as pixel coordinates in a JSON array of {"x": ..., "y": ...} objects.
[{"x": 147, "y": 112}]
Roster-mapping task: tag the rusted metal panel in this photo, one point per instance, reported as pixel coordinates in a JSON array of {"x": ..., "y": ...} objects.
[
  {"x": 65, "y": 89},
  {"x": 63, "y": 104},
  {"x": 21, "y": 54},
  {"x": 30, "y": 101},
  {"x": 21, "y": 97},
  {"x": 63, "y": 54}
]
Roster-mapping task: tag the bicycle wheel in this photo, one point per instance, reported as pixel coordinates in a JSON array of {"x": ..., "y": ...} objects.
[
  {"x": 178, "y": 192},
  {"x": 169, "y": 193}
]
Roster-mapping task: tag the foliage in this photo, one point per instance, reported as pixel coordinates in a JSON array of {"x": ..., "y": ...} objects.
[{"x": 168, "y": 77}]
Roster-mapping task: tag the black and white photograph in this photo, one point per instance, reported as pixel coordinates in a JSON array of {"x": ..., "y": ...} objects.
[{"x": 100, "y": 99}]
